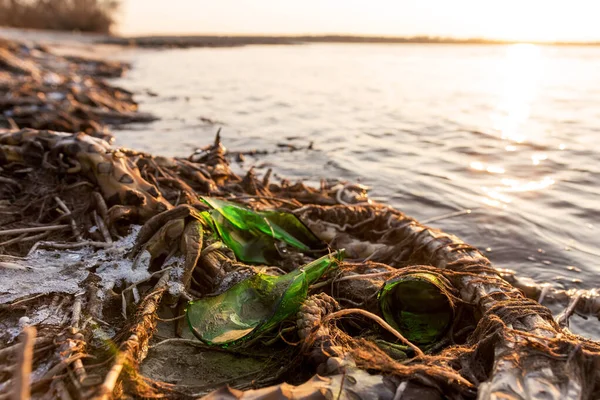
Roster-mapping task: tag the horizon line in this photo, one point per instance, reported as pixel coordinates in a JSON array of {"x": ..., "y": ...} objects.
[{"x": 355, "y": 38}]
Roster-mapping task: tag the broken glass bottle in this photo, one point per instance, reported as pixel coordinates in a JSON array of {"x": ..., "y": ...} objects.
[
  {"x": 417, "y": 306},
  {"x": 254, "y": 305},
  {"x": 253, "y": 235}
]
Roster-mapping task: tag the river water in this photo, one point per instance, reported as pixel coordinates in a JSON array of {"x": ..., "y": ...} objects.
[{"x": 510, "y": 132}]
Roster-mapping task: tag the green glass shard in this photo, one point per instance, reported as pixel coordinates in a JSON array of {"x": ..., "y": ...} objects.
[
  {"x": 255, "y": 305},
  {"x": 247, "y": 245},
  {"x": 274, "y": 224},
  {"x": 291, "y": 230},
  {"x": 207, "y": 220},
  {"x": 416, "y": 306}
]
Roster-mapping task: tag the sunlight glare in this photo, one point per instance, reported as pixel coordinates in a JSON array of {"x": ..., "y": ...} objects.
[
  {"x": 515, "y": 185},
  {"x": 492, "y": 169},
  {"x": 492, "y": 202},
  {"x": 522, "y": 67},
  {"x": 496, "y": 195},
  {"x": 477, "y": 165},
  {"x": 536, "y": 158}
]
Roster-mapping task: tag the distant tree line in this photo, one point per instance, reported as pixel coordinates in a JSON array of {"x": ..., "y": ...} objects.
[{"x": 64, "y": 15}]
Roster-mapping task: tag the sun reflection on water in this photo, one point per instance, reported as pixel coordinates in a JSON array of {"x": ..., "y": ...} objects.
[
  {"x": 522, "y": 67},
  {"x": 497, "y": 197},
  {"x": 537, "y": 157},
  {"x": 517, "y": 185},
  {"x": 521, "y": 72}
]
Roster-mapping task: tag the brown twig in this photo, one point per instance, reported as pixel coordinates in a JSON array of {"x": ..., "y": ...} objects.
[
  {"x": 13, "y": 266},
  {"x": 33, "y": 229},
  {"x": 78, "y": 368},
  {"x": 171, "y": 319},
  {"x": 76, "y": 312},
  {"x": 101, "y": 205},
  {"x": 363, "y": 276},
  {"x": 24, "y": 238},
  {"x": 22, "y": 389},
  {"x": 63, "y": 246},
  {"x": 380, "y": 321},
  {"x": 8, "y": 351},
  {"x": 68, "y": 213},
  {"x": 102, "y": 226}
]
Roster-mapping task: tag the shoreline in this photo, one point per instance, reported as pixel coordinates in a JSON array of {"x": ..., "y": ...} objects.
[
  {"x": 78, "y": 39},
  {"x": 87, "y": 197},
  {"x": 188, "y": 41}
]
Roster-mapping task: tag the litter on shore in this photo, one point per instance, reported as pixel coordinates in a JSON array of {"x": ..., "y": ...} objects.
[{"x": 128, "y": 275}]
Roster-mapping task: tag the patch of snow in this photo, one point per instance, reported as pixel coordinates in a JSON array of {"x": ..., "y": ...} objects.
[
  {"x": 63, "y": 271},
  {"x": 34, "y": 316},
  {"x": 177, "y": 266},
  {"x": 176, "y": 273},
  {"x": 43, "y": 273},
  {"x": 175, "y": 288}
]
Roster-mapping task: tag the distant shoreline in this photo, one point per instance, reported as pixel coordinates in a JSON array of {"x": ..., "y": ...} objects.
[
  {"x": 235, "y": 41},
  {"x": 188, "y": 41}
]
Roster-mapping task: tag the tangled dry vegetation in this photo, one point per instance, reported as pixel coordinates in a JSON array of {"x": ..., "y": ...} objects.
[
  {"x": 64, "y": 15},
  {"x": 41, "y": 90},
  {"x": 101, "y": 250}
]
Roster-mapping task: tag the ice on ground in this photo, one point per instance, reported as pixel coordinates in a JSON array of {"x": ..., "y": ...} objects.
[
  {"x": 42, "y": 274},
  {"x": 176, "y": 273},
  {"x": 63, "y": 271},
  {"x": 115, "y": 269},
  {"x": 34, "y": 316}
]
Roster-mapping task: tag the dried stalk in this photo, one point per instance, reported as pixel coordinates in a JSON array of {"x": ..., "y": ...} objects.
[
  {"x": 380, "y": 321},
  {"x": 101, "y": 205},
  {"x": 135, "y": 348},
  {"x": 33, "y": 229},
  {"x": 24, "y": 238},
  {"x": 68, "y": 213},
  {"x": 102, "y": 226},
  {"x": 21, "y": 389},
  {"x": 76, "y": 312},
  {"x": 12, "y": 350},
  {"x": 64, "y": 246},
  {"x": 78, "y": 368}
]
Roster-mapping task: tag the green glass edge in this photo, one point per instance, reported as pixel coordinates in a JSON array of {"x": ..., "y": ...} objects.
[
  {"x": 389, "y": 286},
  {"x": 261, "y": 219},
  {"x": 324, "y": 262}
]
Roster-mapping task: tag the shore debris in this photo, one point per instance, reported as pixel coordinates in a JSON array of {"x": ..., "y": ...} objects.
[
  {"x": 41, "y": 90},
  {"x": 418, "y": 305},
  {"x": 104, "y": 249},
  {"x": 255, "y": 305},
  {"x": 490, "y": 338}
]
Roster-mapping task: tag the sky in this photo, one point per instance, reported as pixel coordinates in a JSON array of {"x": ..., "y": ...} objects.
[{"x": 522, "y": 20}]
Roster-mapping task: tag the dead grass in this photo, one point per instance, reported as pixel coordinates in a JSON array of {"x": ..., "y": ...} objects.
[{"x": 65, "y": 15}]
